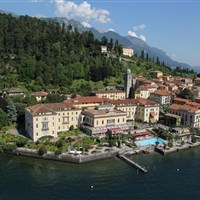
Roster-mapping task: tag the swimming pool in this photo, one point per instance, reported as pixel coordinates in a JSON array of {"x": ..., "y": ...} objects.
[{"x": 151, "y": 141}]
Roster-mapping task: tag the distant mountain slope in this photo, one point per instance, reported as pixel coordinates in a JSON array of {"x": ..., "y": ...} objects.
[{"x": 127, "y": 41}]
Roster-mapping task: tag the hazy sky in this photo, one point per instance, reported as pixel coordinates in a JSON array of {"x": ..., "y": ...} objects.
[{"x": 173, "y": 26}]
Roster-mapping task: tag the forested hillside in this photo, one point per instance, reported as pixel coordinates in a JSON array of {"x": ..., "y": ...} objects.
[
  {"x": 43, "y": 51},
  {"x": 40, "y": 54}
]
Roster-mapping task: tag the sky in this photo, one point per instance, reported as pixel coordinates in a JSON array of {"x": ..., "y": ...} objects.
[{"x": 173, "y": 25}]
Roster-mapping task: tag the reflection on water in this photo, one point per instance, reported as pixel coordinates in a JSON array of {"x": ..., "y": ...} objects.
[{"x": 27, "y": 178}]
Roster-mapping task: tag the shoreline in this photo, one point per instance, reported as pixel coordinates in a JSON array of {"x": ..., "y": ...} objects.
[{"x": 80, "y": 159}]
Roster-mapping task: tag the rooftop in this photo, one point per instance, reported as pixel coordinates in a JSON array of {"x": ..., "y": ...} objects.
[
  {"x": 41, "y": 93},
  {"x": 184, "y": 107},
  {"x": 163, "y": 92},
  {"x": 173, "y": 115},
  {"x": 49, "y": 108},
  {"x": 108, "y": 91},
  {"x": 88, "y": 99},
  {"x": 104, "y": 112}
]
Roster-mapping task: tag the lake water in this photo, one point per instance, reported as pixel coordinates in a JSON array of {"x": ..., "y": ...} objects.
[{"x": 34, "y": 179}]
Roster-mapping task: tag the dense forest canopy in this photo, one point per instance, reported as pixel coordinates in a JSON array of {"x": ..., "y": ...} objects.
[{"x": 49, "y": 53}]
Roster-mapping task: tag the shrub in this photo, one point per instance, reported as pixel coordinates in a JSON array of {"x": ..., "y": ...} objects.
[
  {"x": 9, "y": 147},
  {"x": 58, "y": 151},
  {"x": 182, "y": 142},
  {"x": 193, "y": 140},
  {"x": 1, "y": 150},
  {"x": 42, "y": 150},
  {"x": 71, "y": 128},
  {"x": 21, "y": 141},
  {"x": 170, "y": 144}
]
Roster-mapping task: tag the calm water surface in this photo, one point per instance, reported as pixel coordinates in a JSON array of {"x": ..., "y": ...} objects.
[{"x": 34, "y": 179}]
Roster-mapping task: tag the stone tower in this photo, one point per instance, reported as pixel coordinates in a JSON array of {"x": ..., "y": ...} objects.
[{"x": 128, "y": 82}]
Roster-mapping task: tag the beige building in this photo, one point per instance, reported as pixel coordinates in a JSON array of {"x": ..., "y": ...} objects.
[
  {"x": 147, "y": 111},
  {"x": 142, "y": 110},
  {"x": 190, "y": 115},
  {"x": 104, "y": 119},
  {"x": 49, "y": 119},
  {"x": 103, "y": 116},
  {"x": 110, "y": 94},
  {"x": 86, "y": 102},
  {"x": 164, "y": 97},
  {"x": 40, "y": 96},
  {"x": 128, "y": 52},
  {"x": 156, "y": 74},
  {"x": 142, "y": 93},
  {"x": 104, "y": 49},
  {"x": 129, "y": 106}
]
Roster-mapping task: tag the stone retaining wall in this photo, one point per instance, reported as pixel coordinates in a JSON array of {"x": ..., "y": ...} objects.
[{"x": 64, "y": 157}]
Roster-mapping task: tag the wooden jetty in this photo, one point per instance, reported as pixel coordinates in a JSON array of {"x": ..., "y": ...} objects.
[{"x": 131, "y": 162}]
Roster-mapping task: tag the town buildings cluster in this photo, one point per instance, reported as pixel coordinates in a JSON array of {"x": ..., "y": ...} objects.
[{"x": 114, "y": 110}]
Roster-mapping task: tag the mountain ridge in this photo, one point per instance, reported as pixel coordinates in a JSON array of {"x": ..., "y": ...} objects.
[{"x": 136, "y": 43}]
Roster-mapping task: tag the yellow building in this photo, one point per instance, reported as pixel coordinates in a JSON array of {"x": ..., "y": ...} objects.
[
  {"x": 142, "y": 110},
  {"x": 147, "y": 111},
  {"x": 102, "y": 119},
  {"x": 110, "y": 94},
  {"x": 142, "y": 93},
  {"x": 128, "y": 52},
  {"x": 40, "y": 96},
  {"x": 190, "y": 114},
  {"x": 156, "y": 74},
  {"x": 49, "y": 119},
  {"x": 85, "y": 102}
]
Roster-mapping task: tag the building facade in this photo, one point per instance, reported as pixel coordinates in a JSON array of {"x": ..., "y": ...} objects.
[
  {"x": 110, "y": 94},
  {"x": 190, "y": 115},
  {"x": 49, "y": 119},
  {"x": 128, "y": 52},
  {"x": 164, "y": 97}
]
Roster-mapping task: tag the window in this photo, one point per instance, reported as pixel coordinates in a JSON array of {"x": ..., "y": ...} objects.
[
  {"x": 52, "y": 123},
  {"x": 45, "y": 125},
  {"x": 36, "y": 119},
  {"x": 110, "y": 121},
  {"x": 37, "y": 134},
  {"x": 72, "y": 119},
  {"x": 53, "y": 132},
  {"x": 118, "y": 120},
  {"x": 102, "y": 121},
  {"x": 36, "y": 125},
  {"x": 97, "y": 122}
]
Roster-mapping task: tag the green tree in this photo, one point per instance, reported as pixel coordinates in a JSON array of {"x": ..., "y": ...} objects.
[
  {"x": 11, "y": 112},
  {"x": 3, "y": 118},
  {"x": 186, "y": 94}
]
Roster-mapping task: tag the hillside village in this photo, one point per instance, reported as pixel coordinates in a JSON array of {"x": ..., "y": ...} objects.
[
  {"x": 140, "y": 111},
  {"x": 101, "y": 98}
]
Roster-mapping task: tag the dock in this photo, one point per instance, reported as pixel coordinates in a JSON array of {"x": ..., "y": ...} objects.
[{"x": 131, "y": 162}]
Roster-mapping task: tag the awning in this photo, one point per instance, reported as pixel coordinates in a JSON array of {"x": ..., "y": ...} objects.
[
  {"x": 152, "y": 114},
  {"x": 140, "y": 133}
]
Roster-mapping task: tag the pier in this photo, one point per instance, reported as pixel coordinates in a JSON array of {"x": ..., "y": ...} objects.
[{"x": 131, "y": 162}]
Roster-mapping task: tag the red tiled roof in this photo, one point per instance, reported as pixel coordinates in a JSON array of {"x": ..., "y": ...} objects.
[
  {"x": 140, "y": 101},
  {"x": 88, "y": 99},
  {"x": 163, "y": 92},
  {"x": 147, "y": 86},
  {"x": 188, "y": 108},
  {"x": 39, "y": 94},
  {"x": 180, "y": 99},
  {"x": 140, "y": 133},
  {"x": 49, "y": 107},
  {"x": 108, "y": 91}
]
